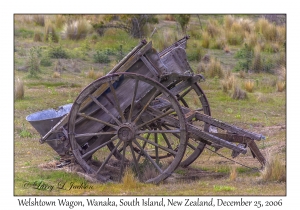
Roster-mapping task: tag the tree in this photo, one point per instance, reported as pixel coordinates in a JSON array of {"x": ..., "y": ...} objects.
[
  {"x": 131, "y": 23},
  {"x": 183, "y": 21}
]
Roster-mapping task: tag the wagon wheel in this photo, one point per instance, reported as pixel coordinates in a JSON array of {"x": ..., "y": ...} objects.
[
  {"x": 200, "y": 103},
  {"x": 110, "y": 113}
]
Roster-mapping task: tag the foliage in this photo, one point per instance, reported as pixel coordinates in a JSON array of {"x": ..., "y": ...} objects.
[
  {"x": 183, "y": 20},
  {"x": 101, "y": 57},
  {"x": 46, "y": 61},
  {"x": 245, "y": 55},
  {"x": 274, "y": 170},
  {"x": 57, "y": 52},
  {"x": 34, "y": 61},
  {"x": 133, "y": 24}
]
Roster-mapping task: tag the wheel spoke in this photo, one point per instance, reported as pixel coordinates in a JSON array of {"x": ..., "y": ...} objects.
[
  {"x": 135, "y": 162},
  {"x": 157, "y": 145},
  {"x": 156, "y": 118},
  {"x": 148, "y": 157},
  {"x": 144, "y": 145},
  {"x": 146, "y": 106},
  {"x": 184, "y": 94},
  {"x": 191, "y": 146},
  {"x": 156, "y": 148},
  {"x": 104, "y": 109},
  {"x": 133, "y": 100},
  {"x": 108, "y": 157},
  {"x": 117, "y": 103},
  {"x": 158, "y": 131},
  {"x": 97, "y": 120},
  {"x": 99, "y": 147},
  {"x": 122, "y": 161},
  {"x": 95, "y": 134},
  {"x": 165, "y": 137}
]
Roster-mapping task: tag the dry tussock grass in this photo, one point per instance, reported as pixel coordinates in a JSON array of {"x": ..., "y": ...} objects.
[
  {"x": 233, "y": 173},
  {"x": 228, "y": 83},
  {"x": 280, "y": 86},
  {"x": 93, "y": 74},
  {"x": 56, "y": 74},
  {"x": 19, "y": 89},
  {"x": 77, "y": 29},
  {"x": 129, "y": 180},
  {"x": 249, "y": 86},
  {"x": 238, "y": 93},
  {"x": 214, "y": 69},
  {"x": 274, "y": 170}
]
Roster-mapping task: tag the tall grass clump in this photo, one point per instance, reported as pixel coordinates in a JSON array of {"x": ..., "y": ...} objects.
[
  {"x": 59, "y": 21},
  {"x": 77, "y": 29},
  {"x": 238, "y": 93},
  {"x": 228, "y": 21},
  {"x": 228, "y": 83},
  {"x": 19, "y": 89},
  {"x": 233, "y": 173},
  {"x": 194, "y": 51},
  {"x": 214, "y": 69},
  {"x": 39, "y": 19},
  {"x": 257, "y": 65},
  {"x": 213, "y": 28},
  {"x": 50, "y": 32},
  {"x": 206, "y": 38},
  {"x": 280, "y": 86},
  {"x": 129, "y": 180},
  {"x": 274, "y": 170},
  {"x": 249, "y": 86}
]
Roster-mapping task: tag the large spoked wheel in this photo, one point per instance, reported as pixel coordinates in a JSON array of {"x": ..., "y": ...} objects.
[
  {"x": 113, "y": 127},
  {"x": 193, "y": 98}
]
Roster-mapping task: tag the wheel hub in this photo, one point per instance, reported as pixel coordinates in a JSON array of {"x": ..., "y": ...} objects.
[{"x": 126, "y": 133}]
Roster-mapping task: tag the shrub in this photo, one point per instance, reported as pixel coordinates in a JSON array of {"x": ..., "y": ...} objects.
[
  {"x": 76, "y": 30},
  {"x": 214, "y": 69},
  {"x": 249, "y": 86},
  {"x": 34, "y": 61},
  {"x": 57, "y": 52},
  {"x": 101, "y": 57},
  {"x": 19, "y": 89},
  {"x": 195, "y": 53},
  {"x": 274, "y": 170},
  {"x": 212, "y": 28},
  {"x": 45, "y": 61}
]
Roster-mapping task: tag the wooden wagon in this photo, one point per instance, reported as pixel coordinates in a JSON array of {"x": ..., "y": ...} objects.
[{"x": 139, "y": 116}]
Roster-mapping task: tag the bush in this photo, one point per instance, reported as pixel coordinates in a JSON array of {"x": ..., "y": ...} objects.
[
  {"x": 46, "y": 61},
  {"x": 57, "y": 52},
  {"x": 101, "y": 57},
  {"x": 34, "y": 61},
  {"x": 37, "y": 37}
]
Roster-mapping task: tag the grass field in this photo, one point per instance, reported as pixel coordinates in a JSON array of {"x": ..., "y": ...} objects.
[{"x": 49, "y": 74}]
